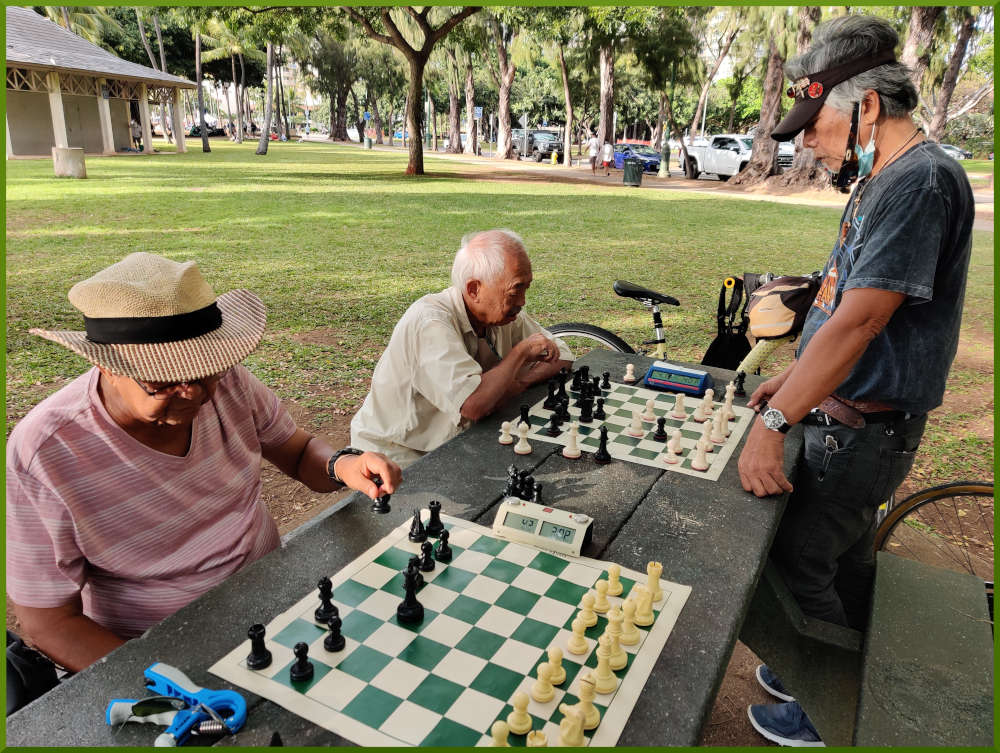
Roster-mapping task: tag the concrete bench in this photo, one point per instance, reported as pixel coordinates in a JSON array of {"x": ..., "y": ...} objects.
[{"x": 923, "y": 674}]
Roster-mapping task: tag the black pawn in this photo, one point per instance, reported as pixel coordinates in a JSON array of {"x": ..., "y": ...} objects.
[
  {"x": 584, "y": 394},
  {"x": 302, "y": 669},
  {"x": 602, "y": 456},
  {"x": 434, "y": 525},
  {"x": 606, "y": 380},
  {"x": 410, "y": 610},
  {"x": 443, "y": 551},
  {"x": 414, "y": 567},
  {"x": 661, "y": 432},
  {"x": 326, "y": 608},
  {"x": 576, "y": 381},
  {"x": 553, "y": 428},
  {"x": 599, "y": 414},
  {"x": 426, "y": 560},
  {"x": 595, "y": 387},
  {"x": 525, "y": 419},
  {"x": 584, "y": 373},
  {"x": 587, "y": 411},
  {"x": 259, "y": 657},
  {"x": 334, "y": 641},
  {"x": 536, "y": 494},
  {"x": 564, "y": 411},
  {"x": 550, "y": 401},
  {"x": 417, "y": 531},
  {"x": 381, "y": 503}
]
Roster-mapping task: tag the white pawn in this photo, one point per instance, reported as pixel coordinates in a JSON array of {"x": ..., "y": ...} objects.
[
  {"x": 629, "y": 377},
  {"x": 635, "y": 428},
  {"x": 542, "y": 690},
  {"x": 536, "y": 739},
  {"x": 587, "y": 613},
  {"x": 572, "y": 449},
  {"x": 614, "y": 584},
  {"x": 678, "y": 411},
  {"x": 700, "y": 462},
  {"x": 577, "y": 644},
  {"x": 500, "y": 731},
  {"x": 648, "y": 414},
  {"x": 601, "y": 601},
  {"x": 558, "y": 675},
  {"x": 653, "y": 572},
  {"x": 505, "y": 435},
  {"x": 706, "y": 435},
  {"x": 522, "y": 447},
  {"x": 707, "y": 401},
  {"x": 630, "y": 633},
  {"x": 719, "y": 422},
  {"x": 571, "y": 727},
  {"x": 699, "y": 414},
  {"x": 591, "y": 715},
  {"x": 673, "y": 448},
  {"x": 519, "y": 720}
]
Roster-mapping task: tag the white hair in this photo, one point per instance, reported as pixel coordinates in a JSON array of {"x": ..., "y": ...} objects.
[{"x": 483, "y": 256}]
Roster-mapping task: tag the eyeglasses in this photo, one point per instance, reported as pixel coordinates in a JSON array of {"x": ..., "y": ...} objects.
[{"x": 164, "y": 391}]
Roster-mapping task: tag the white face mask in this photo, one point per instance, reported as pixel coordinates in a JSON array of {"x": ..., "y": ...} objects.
[{"x": 866, "y": 156}]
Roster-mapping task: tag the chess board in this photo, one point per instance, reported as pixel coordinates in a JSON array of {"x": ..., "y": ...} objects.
[
  {"x": 619, "y": 402},
  {"x": 490, "y": 616}
]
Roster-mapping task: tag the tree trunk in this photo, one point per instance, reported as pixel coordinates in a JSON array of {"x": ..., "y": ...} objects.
[
  {"x": 606, "y": 121},
  {"x": 376, "y": 118},
  {"x": 414, "y": 121},
  {"x": 727, "y": 42},
  {"x": 283, "y": 106},
  {"x": 471, "y": 144},
  {"x": 568, "y": 137},
  {"x": 241, "y": 97},
  {"x": 359, "y": 122},
  {"x": 940, "y": 119},
  {"x": 504, "y": 78},
  {"x": 201, "y": 95},
  {"x": 392, "y": 126},
  {"x": 339, "y": 132},
  {"x": 917, "y": 49},
  {"x": 265, "y": 131},
  {"x": 434, "y": 124},
  {"x": 238, "y": 133},
  {"x": 454, "y": 114},
  {"x": 764, "y": 157},
  {"x": 406, "y": 133},
  {"x": 65, "y": 16},
  {"x": 142, "y": 37}
]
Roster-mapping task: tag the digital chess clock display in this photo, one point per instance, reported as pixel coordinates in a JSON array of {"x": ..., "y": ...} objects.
[
  {"x": 522, "y": 523},
  {"x": 668, "y": 376},
  {"x": 559, "y": 533},
  {"x": 542, "y": 526}
]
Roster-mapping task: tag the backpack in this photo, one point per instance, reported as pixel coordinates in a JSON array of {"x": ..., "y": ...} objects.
[
  {"x": 29, "y": 674},
  {"x": 778, "y": 308},
  {"x": 730, "y": 344}
]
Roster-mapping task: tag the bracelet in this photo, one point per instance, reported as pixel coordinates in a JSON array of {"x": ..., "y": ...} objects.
[{"x": 333, "y": 461}]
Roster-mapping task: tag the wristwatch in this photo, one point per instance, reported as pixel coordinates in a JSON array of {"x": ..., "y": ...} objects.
[
  {"x": 774, "y": 419},
  {"x": 333, "y": 461}
]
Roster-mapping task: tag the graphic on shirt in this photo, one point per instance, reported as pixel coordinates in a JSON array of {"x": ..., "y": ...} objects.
[{"x": 827, "y": 295}]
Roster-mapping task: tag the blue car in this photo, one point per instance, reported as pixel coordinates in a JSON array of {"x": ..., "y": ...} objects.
[{"x": 649, "y": 156}]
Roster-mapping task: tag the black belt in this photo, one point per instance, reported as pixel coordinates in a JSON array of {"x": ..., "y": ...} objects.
[{"x": 819, "y": 418}]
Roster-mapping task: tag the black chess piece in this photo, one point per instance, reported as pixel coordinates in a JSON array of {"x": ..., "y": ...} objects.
[
  {"x": 561, "y": 386},
  {"x": 334, "y": 641},
  {"x": 536, "y": 494},
  {"x": 410, "y": 610},
  {"x": 599, "y": 414},
  {"x": 583, "y": 395},
  {"x": 584, "y": 373},
  {"x": 417, "y": 531},
  {"x": 426, "y": 560},
  {"x": 513, "y": 481},
  {"x": 259, "y": 657},
  {"x": 326, "y": 608},
  {"x": 442, "y": 553},
  {"x": 606, "y": 380},
  {"x": 434, "y": 525},
  {"x": 602, "y": 456},
  {"x": 553, "y": 428},
  {"x": 525, "y": 418},
  {"x": 302, "y": 669},
  {"x": 587, "y": 411},
  {"x": 661, "y": 432},
  {"x": 564, "y": 411},
  {"x": 576, "y": 380},
  {"x": 595, "y": 386},
  {"x": 550, "y": 401},
  {"x": 528, "y": 488},
  {"x": 738, "y": 383},
  {"x": 414, "y": 567},
  {"x": 276, "y": 740},
  {"x": 381, "y": 503}
]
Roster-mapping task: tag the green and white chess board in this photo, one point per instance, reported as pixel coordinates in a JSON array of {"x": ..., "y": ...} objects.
[
  {"x": 619, "y": 402},
  {"x": 491, "y": 614}
]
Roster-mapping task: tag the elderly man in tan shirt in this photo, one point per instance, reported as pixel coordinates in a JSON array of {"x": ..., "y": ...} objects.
[{"x": 456, "y": 355}]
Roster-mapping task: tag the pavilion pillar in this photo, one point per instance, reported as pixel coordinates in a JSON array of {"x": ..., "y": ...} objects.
[
  {"x": 10, "y": 147},
  {"x": 144, "y": 121},
  {"x": 178, "y": 113},
  {"x": 56, "y": 108},
  {"x": 104, "y": 113}
]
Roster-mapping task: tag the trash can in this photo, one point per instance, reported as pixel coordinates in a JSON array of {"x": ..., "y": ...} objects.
[
  {"x": 368, "y": 143},
  {"x": 632, "y": 174}
]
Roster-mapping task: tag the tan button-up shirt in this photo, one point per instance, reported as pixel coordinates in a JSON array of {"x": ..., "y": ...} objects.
[{"x": 433, "y": 362}]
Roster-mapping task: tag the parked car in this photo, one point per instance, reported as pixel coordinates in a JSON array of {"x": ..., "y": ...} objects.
[
  {"x": 955, "y": 152},
  {"x": 447, "y": 141},
  {"x": 541, "y": 144},
  {"x": 786, "y": 154},
  {"x": 212, "y": 131},
  {"x": 724, "y": 155},
  {"x": 649, "y": 156}
]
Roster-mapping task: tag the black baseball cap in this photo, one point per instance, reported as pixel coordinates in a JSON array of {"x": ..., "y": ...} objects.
[{"x": 810, "y": 92}]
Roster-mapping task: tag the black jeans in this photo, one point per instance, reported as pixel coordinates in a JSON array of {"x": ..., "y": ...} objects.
[{"x": 824, "y": 542}]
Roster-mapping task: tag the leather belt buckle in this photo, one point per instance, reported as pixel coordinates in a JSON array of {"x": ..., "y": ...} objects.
[{"x": 842, "y": 413}]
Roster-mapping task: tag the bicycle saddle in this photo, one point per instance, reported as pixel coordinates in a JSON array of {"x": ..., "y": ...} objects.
[{"x": 643, "y": 295}]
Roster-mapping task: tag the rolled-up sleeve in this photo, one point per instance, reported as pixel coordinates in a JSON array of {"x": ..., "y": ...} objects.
[{"x": 443, "y": 371}]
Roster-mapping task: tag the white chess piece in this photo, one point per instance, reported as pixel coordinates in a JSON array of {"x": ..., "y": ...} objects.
[
  {"x": 519, "y": 720},
  {"x": 678, "y": 411},
  {"x": 499, "y": 731},
  {"x": 536, "y": 739},
  {"x": 558, "y": 676},
  {"x": 648, "y": 414},
  {"x": 614, "y": 584},
  {"x": 601, "y": 603},
  {"x": 629, "y": 377},
  {"x": 674, "y": 448},
  {"x": 591, "y": 715},
  {"x": 730, "y": 394},
  {"x": 635, "y": 428},
  {"x": 505, "y": 435},
  {"x": 643, "y": 606},
  {"x": 700, "y": 462},
  {"x": 605, "y": 680},
  {"x": 577, "y": 644},
  {"x": 654, "y": 570},
  {"x": 542, "y": 690},
  {"x": 570, "y": 727},
  {"x": 699, "y": 414},
  {"x": 572, "y": 449},
  {"x": 707, "y": 401},
  {"x": 630, "y": 633},
  {"x": 718, "y": 435},
  {"x": 587, "y": 613},
  {"x": 706, "y": 435},
  {"x": 522, "y": 447}
]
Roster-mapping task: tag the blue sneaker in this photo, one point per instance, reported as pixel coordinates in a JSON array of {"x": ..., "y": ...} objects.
[
  {"x": 770, "y": 682},
  {"x": 785, "y": 724}
]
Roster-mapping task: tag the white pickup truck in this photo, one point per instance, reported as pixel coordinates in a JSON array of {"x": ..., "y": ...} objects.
[{"x": 729, "y": 153}]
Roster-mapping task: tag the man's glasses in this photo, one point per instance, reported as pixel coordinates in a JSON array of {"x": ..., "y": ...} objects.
[{"x": 166, "y": 390}]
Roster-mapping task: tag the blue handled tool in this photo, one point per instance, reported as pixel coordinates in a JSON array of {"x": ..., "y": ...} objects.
[{"x": 180, "y": 705}]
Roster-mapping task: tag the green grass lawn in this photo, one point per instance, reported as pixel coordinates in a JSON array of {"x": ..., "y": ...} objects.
[
  {"x": 338, "y": 243},
  {"x": 978, "y": 165}
]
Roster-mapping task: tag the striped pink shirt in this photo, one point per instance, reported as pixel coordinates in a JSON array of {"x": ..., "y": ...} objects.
[{"x": 138, "y": 533}]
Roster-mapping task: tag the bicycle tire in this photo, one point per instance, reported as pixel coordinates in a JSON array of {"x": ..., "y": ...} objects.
[
  {"x": 923, "y": 527},
  {"x": 589, "y": 332}
]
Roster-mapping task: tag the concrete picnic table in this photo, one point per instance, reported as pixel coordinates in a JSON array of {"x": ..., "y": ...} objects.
[{"x": 712, "y": 536}]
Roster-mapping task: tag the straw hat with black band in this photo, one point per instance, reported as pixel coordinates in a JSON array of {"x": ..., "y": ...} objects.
[{"x": 157, "y": 320}]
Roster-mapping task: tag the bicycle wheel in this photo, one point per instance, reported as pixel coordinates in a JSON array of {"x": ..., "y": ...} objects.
[
  {"x": 949, "y": 526},
  {"x": 583, "y": 338}
]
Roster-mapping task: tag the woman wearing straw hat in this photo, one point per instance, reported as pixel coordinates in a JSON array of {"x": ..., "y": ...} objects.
[{"x": 136, "y": 487}]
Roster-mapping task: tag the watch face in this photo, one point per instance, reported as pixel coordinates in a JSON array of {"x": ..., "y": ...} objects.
[{"x": 773, "y": 419}]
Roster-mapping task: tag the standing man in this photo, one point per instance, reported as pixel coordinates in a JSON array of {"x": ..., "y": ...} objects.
[
  {"x": 455, "y": 356},
  {"x": 879, "y": 339},
  {"x": 607, "y": 157},
  {"x": 593, "y": 146}
]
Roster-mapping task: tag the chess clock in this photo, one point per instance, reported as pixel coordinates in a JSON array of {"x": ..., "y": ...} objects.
[
  {"x": 542, "y": 526},
  {"x": 668, "y": 376}
]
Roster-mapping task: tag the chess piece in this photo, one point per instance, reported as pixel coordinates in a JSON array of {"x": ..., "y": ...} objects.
[
  {"x": 606, "y": 380},
  {"x": 536, "y": 739},
  {"x": 522, "y": 447},
  {"x": 700, "y": 462},
  {"x": 381, "y": 504},
  {"x": 629, "y": 377},
  {"x": 575, "y": 386},
  {"x": 604, "y": 679},
  {"x": 563, "y": 411},
  {"x": 417, "y": 531},
  {"x": 550, "y": 401},
  {"x": 561, "y": 384},
  {"x": 505, "y": 435},
  {"x": 635, "y": 428},
  {"x": 630, "y": 633},
  {"x": 618, "y": 659},
  {"x": 591, "y": 715},
  {"x": 558, "y": 676},
  {"x": 601, "y": 600},
  {"x": 326, "y": 608},
  {"x": 499, "y": 731},
  {"x": 410, "y": 611},
  {"x": 584, "y": 373},
  {"x": 259, "y": 657},
  {"x": 602, "y": 456},
  {"x": 426, "y": 557},
  {"x": 434, "y": 525},
  {"x": 660, "y": 435},
  {"x": 643, "y": 606},
  {"x": 572, "y": 449},
  {"x": 614, "y": 630},
  {"x": 577, "y": 644},
  {"x": 542, "y": 690},
  {"x": 442, "y": 552},
  {"x": 510, "y": 489},
  {"x": 413, "y": 567},
  {"x": 599, "y": 414},
  {"x": 699, "y": 414},
  {"x": 674, "y": 448},
  {"x": 519, "y": 720},
  {"x": 553, "y": 428},
  {"x": 525, "y": 414},
  {"x": 587, "y": 613},
  {"x": 302, "y": 669},
  {"x": 678, "y": 411},
  {"x": 614, "y": 584},
  {"x": 334, "y": 641},
  {"x": 718, "y": 435},
  {"x": 570, "y": 727},
  {"x": 648, "y": 415},
  {"x": 706, "y": 436},
  {"x": 653, "y": 572},
  {"x": 536, "y": 494},
  {"x": 707, "y": 401},
  {"x": 587, "y": 411},
  {"x": 728, "y": 405}
]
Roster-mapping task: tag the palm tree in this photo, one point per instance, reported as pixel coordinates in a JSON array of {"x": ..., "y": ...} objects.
[
  {"x": 91, "y": 23},
  {"x": 222, "y": 41}
]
